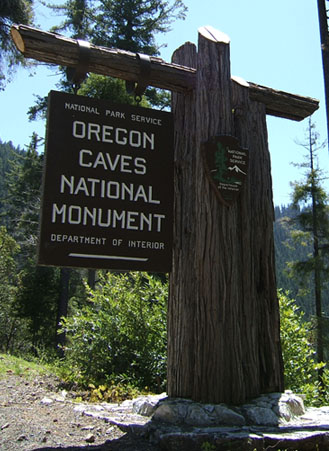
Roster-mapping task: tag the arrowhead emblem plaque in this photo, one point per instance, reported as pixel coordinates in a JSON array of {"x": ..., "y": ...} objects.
[{"x": 226, "y": 166}]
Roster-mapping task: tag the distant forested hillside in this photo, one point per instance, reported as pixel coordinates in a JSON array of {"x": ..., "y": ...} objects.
[
  {"x": 8, "y": 153},
  {"x": 285, "y": 251}
]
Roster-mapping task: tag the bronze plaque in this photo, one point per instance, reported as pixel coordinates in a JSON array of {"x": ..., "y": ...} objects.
[
  {"x": 108, "y": 186},
  {"x": 226, "y": 166}
]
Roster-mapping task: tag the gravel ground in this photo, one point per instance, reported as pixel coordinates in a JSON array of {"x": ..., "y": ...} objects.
[{"x": 28, "y": 422}]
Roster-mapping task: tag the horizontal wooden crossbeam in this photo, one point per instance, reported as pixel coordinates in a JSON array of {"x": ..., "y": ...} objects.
[{"x": 56, "y": 49}]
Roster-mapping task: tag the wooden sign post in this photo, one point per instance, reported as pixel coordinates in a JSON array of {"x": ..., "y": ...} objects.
[
  {"x": 223, "y": 296},
  {"x": 223, "y": 314}
]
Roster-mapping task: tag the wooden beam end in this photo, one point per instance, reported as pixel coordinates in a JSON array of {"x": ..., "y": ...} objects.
[{"x": 17, "y": 38}]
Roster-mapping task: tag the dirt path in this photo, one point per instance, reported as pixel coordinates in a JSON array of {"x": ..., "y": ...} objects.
[{"x": 30, "y": 419}]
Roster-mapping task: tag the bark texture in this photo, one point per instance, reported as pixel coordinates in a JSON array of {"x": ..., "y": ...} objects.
[
  {"x": 223, "y": 319},
  {"x": 56, "y": 49},
  {"x": 182, "y": 307},
  {"x": 324, "y": 37}
]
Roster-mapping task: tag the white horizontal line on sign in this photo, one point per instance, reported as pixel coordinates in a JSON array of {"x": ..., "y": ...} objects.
[{"x": 109, "y": 257}]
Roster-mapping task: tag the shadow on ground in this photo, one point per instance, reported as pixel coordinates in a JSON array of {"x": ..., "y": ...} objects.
[{"x": 127, "y": 442}]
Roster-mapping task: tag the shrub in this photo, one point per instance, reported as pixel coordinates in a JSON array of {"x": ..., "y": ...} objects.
[
  {"x": 120, "y": 334},
  {"x": 300, "y": 367}
]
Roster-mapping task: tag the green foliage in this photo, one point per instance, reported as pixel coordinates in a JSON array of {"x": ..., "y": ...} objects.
[
  {"x": 8, "y": 153},
  {"x": 310, "y": 225},
  {"x": 11, "y": 11},
  {"x": 97, "y": 87},
  {"x": 220, "y": 160},
  {"x": 125, "y": 24},
  {"x": 107, "y": 88},
  {"x": 78, "y": 17},
  {"x": 114, "y": 90},
  {"x": 12, "y": 328},
  {"x": 131, "y": 24},
  {"x": 120, "y": 334},
  {"x": 313, "y": 230},
  {"x": 112, "y": 392},
  {"x": 36, "y": 301},
  {"x": 23, "y": 183},
  {"x": 8, "y": 249},
  {"x": 36, "y": 294},
  {"x": 300, "y": 367},
  {"x": 287, "y": 250},
  {"x": 206, "y": 446}
]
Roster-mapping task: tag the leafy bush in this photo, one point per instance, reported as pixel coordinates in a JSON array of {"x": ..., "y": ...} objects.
[
  {"x": 120, "y": 333},
  {"x": 117, "y": 339},
  {"x": 300, "y": 367},
  {"x": 112, "y": 392}
]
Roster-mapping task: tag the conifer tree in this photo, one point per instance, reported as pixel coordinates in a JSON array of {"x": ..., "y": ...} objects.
[
  {"x": 23, "y": 198},
  {"x": 11, "y": 11},
  {"x": 311, "y": 202},
  {"x": 126, "y": 24},
  {"x": 36, "y": 297}
]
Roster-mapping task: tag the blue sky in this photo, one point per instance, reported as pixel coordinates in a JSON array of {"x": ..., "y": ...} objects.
[{"x": 275, "y": 44}]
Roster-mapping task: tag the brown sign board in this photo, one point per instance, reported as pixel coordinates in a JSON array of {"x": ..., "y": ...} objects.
[
  {"x": 108, "y": 186},
  {"x": 226, "y": 164}
]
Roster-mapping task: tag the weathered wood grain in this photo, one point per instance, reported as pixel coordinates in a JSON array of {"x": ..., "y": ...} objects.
[
  {"x": 261, "y": 349},
  {"x": 223, "y": 322},
  {"x": 56, "y": 49},
  {"x": 182, "y": 305}
]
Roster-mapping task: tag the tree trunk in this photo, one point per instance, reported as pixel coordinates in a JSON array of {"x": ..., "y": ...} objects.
[
  {"x": 91, "y": 278},
  {"x": 223, "y": 318},
  {"x": 316, "y": 256},
  {"x": 62, "y": 307},
  {"x": 324, "y": 37}
]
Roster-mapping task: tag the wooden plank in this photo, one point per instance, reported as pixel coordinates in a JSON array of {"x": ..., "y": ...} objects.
[{"x": 53, "y": 48}]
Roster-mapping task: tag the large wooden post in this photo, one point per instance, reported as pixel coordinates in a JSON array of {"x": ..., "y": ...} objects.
[
  {"x": 223, "y": 318},
  {"x": 181, "y": 309}
]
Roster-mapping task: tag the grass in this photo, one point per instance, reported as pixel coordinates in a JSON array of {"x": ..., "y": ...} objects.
[
  {"x": 111, "y": 392},
  {"x": 20, "y": 367}
]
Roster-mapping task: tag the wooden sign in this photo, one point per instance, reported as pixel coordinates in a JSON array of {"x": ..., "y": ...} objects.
[
  {"x": 108, "y": 186},
  {"x": 226, "y": 166}
]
